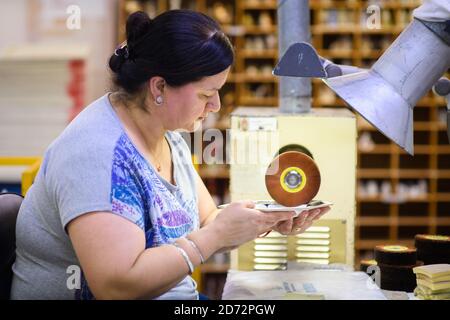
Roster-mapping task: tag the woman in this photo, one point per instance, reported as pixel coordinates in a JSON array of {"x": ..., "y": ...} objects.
[{"x": 117, "y": 210}]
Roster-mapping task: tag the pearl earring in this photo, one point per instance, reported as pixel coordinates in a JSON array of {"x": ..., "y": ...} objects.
[{"x": 159, "y": 100}]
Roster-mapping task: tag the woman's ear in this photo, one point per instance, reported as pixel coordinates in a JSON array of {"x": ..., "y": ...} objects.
[{"x": 157, "y": 85}]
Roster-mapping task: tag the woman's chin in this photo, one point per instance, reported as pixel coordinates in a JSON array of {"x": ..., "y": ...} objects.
[{"x": 196, "y": 125}]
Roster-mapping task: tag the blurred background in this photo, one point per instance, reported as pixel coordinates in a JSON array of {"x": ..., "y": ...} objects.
[{"x": 53, "y": 62}]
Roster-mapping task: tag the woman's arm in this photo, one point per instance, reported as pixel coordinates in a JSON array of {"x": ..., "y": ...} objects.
[
  {"x": 114, "y": 259},
  {"x": 206, "y": 207},
  {"x": 112, "y": 254}
]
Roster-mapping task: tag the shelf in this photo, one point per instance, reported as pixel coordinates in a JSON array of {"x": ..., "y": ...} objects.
[
  {"x": 334, "y": 29},
  {"x": 324, "y": 103},
  {"x": 402, "y": 221},
  {"x": 418, "y": 126},
  {"x": 257, "y": 30},
  {"x": 257, "y": 101},
  {"x": 442, "y": 174},
  {"x": 378, "y": 149},
  {"x": 396, "y": 5},
  {"x": 443, "y": 196},
  {"x": 318, "y": 5},
  {"x": 384, "y": 30},
  {"x": 338, "y": 54},
  {"x": 419, "y": 149},
  {"x": 380, "y": 199},
  {"x": 403, "y": 173},
  {"x": 351, "y": 28},
  {"x": 372, "y": 54},
  {"x": 374, "y": 173},
  {"x": 426, "y": 126},
  {"x": 259, "y": 54},
  {"x": 260, "y": 79}
]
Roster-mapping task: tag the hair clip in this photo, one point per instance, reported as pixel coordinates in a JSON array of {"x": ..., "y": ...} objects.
[{"x": 122, "y": 50}]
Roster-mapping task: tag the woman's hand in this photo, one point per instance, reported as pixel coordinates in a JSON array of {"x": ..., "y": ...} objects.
[
  {"x": 301, "y": 223},
  {"x": 239, "y": 223}
]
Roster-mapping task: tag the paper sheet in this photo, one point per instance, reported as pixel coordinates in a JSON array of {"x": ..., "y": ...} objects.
[{"x": 329, "y": 283}]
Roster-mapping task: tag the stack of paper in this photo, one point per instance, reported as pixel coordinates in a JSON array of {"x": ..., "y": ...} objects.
[{"x": 433, "y": 282}]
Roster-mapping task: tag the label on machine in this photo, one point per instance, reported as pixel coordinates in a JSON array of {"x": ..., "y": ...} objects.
[{"x": 258, "y": 124}]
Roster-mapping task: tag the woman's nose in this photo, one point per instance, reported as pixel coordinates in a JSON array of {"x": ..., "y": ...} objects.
[{"x": 214, "y": 103}]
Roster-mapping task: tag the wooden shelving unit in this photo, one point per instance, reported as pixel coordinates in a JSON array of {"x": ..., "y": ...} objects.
[{"x": 339, "y": 33}]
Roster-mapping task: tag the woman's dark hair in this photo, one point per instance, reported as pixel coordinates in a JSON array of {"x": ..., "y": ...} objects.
[{"x": 181, "y": 46}]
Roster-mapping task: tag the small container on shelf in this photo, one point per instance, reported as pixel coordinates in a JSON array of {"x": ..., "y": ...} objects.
[{"x": 222, "y": 12}]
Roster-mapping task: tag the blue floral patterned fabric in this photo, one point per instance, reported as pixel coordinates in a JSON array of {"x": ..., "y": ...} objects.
[{"x": 138, "y": 193}]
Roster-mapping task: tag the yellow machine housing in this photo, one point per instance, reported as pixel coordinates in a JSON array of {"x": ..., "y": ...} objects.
[{"x": 329, "y": 135}]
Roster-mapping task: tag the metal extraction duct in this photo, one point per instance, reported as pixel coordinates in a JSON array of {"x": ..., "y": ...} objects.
[
  {"x": 386, "y": 94},
  {"x": 294, "y": 27}
]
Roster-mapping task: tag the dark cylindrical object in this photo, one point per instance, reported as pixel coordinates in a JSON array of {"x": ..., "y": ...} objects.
[
  {"x": 433, "y": 249},
  {"x": 398, "y": 278},
  {"x": 365, "y": 264},
  {"x": 395, "y": 255}
]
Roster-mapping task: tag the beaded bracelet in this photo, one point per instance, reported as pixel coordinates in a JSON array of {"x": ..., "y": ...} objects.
[{"x": 185, "y": 257}]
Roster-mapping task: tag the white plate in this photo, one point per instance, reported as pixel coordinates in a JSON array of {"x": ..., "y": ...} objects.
[{"x": 272, "y": 206}]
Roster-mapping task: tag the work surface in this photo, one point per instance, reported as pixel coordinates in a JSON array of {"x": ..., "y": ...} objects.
[{"x": 308, "y": 282}]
